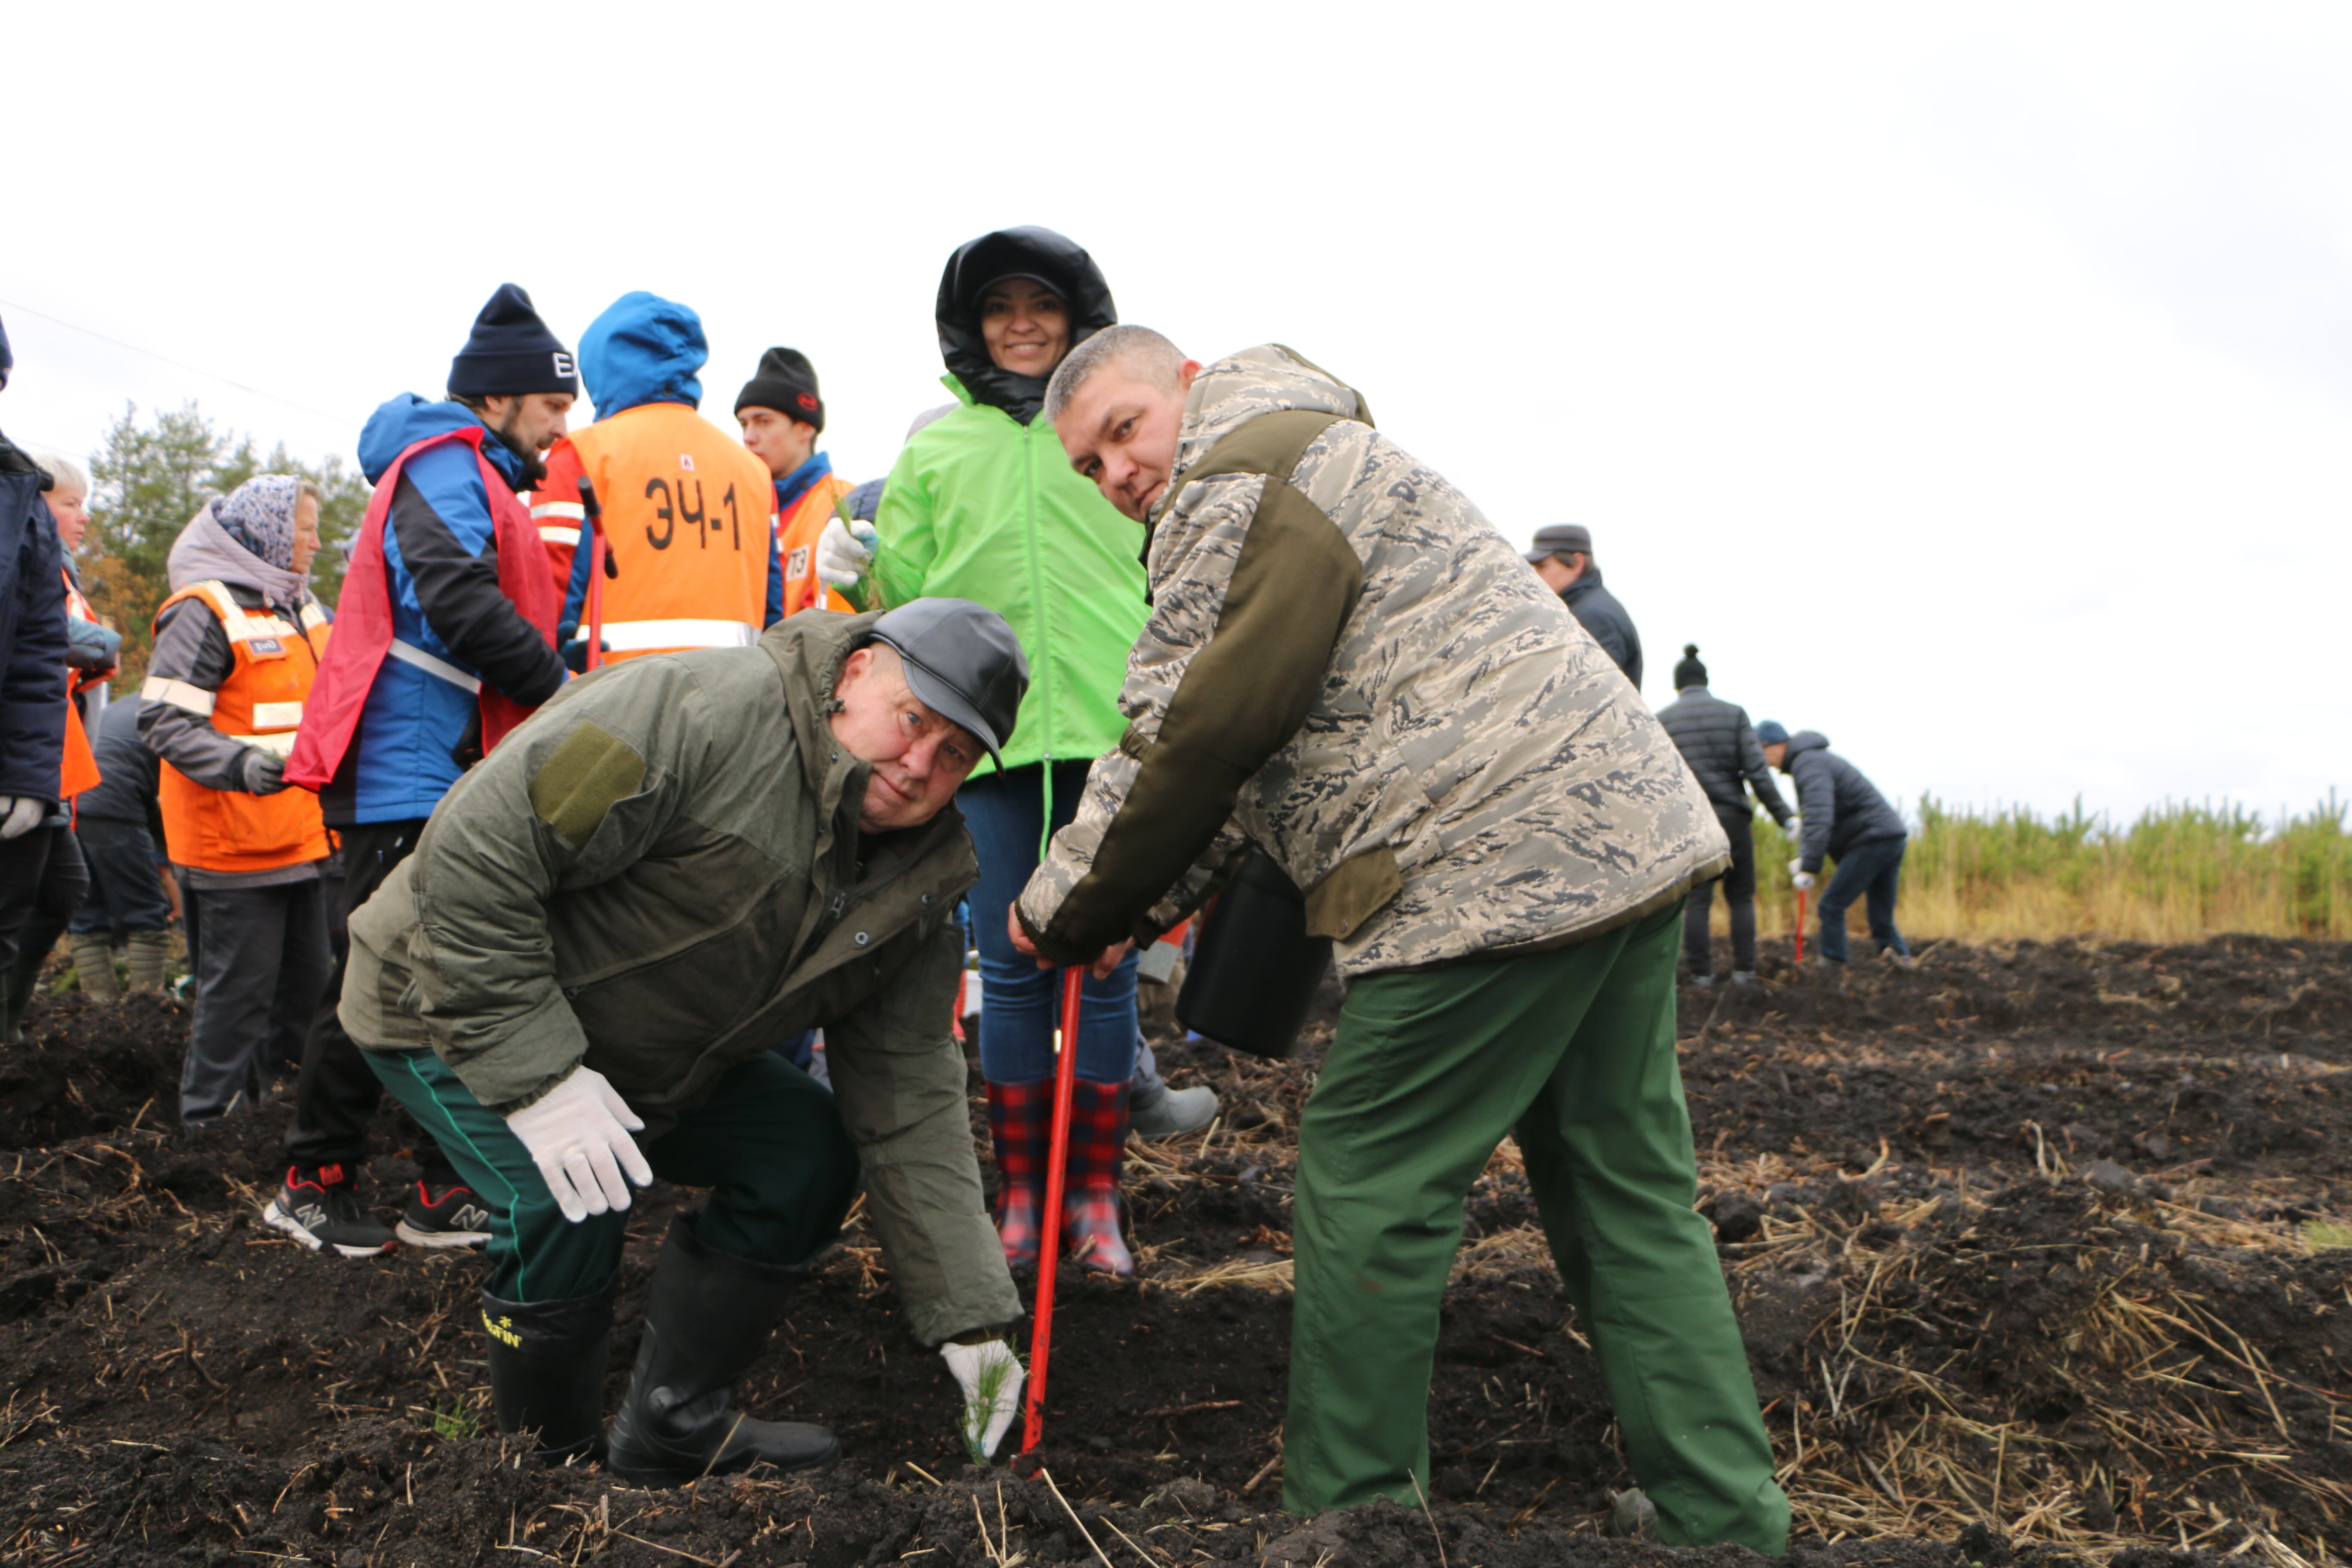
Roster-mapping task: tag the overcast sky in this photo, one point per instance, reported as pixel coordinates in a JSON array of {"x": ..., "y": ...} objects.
[{"x": 1972, "y": 385}]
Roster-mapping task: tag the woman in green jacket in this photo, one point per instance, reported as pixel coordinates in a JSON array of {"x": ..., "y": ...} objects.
[{"x": 982, "y": 505}]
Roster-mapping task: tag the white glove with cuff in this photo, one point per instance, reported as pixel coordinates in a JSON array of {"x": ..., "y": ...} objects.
[
  {"x": 1799, "y": 875},
  {"x": 579, "y": 1137},
  {"x": 843, "y": 557},
  {"x": 992, "y": 1378},
  {"x": 1794, "y": 828},
  {"x": 23, "y": 815}
]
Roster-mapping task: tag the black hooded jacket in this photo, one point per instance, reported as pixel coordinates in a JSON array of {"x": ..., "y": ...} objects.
[
  {"x": 1053, "y": 260},
  {"x": 1841, "y": 807},
  {"x": 32, "y": 631}
]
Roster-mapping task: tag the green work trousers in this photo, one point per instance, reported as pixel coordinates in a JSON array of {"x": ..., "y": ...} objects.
[
  {"x": 768, "y": 1143},
  {"x": 1573, "y": 1051}
]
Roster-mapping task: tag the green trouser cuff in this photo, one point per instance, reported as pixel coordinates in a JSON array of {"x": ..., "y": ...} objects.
[
  {"x": 768, "y": 1143},
  {"x": 1572, "y": 1050}
]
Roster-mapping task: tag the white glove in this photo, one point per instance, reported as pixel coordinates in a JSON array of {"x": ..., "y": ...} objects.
[
  {"x": 579, "y": 1137},
  {"x": 991, "y": 1377},
  {"x": 1799, "y": 875},
  {"x": 1794, "y": 828},
  {"x": 24, "y": 814},
  {"x": 842, "y": 557}
]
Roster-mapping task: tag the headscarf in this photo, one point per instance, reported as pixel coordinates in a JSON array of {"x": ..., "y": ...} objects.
[{"x": 259, "y": 515}]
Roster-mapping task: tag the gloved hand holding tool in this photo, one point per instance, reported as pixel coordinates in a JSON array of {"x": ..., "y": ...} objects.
[
  {"x": 578, "y": 1135},
  {"x": 265, "y": 773},
  {"x": 1799, "y": 875},
  {"x": 991, "y": 1377},
  {"x": 842, "y": 557},
  {"x": 23, "y": 814}
]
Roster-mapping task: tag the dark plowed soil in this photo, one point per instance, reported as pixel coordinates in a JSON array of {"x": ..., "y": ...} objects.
[{"x": 2051, "y": 1241}]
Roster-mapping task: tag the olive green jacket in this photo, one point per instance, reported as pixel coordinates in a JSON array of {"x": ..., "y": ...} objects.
[
  {"x": 1345, "y": 664},
  {"x": 661, "y": 876}
]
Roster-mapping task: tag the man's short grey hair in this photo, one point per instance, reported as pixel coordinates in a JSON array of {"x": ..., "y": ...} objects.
[
  {"x": 1151, "y": 356},
  {"x": 63, "y": 473}
]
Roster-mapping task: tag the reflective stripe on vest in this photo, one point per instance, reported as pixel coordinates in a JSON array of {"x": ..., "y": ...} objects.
[
  {"x": 180, "y": 694},
  {"x": 644, "y": 636},
  {"x": 564, "y": 530},
  {"x": 410, "y": 654}
]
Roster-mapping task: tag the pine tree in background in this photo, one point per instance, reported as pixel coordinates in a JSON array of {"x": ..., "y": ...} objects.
[{"x": 149, "y": 480}]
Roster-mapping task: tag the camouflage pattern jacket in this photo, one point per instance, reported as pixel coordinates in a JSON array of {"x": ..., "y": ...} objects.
[{"x": 1346, "y": 664}]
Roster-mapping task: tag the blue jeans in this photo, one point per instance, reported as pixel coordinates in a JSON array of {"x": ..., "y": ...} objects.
[
  {"x": 1022, "y": 1003},
  {"x": 1868, "y": 870}
]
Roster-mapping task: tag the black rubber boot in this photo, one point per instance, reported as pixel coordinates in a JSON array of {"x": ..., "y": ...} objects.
[
  {"x": 707, "y": 1320},
  {"x": 547, "y": 1371}
]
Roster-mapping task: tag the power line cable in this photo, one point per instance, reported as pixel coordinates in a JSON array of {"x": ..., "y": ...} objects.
[{"x": 343, "y": 420}]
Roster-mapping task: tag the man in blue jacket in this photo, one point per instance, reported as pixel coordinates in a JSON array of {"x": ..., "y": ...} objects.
[
  {"x": 455, "y": 631},
  {"x": 1847, "y": 821},
  {"x": 33, "y": 648}
]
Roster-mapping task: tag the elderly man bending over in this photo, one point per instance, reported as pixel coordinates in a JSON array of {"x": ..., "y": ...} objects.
[
  {"x": 1346, "y": 664},
  {"x": 577, "y": 976}
]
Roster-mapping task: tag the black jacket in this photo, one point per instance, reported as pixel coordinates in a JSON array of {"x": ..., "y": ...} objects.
[
  {"x": 1032, "y": 252},
  {"x": 33, "y": 643},
  {"x": 1719, "y": 743},
  {"x": 126, "y": 791},
  {"x": 1606, "y": 619},
  {"x": 1841, "y": 808}
]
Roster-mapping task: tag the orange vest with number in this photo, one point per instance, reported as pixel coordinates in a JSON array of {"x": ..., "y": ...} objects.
[
  {"x": 80, "y": 770},
  {"x": 260, "y": 704},
  {"x": 796, "y": 534},
  {"x": 687, "y": 510}
]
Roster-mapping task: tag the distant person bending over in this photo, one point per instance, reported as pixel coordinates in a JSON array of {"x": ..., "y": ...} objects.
[
  {"x": 1847, "y": 821},
  {"x": 1716, "y": 739},
  {"x": 1562, "y": 557},
  {"x": 1346, "y": 666}
]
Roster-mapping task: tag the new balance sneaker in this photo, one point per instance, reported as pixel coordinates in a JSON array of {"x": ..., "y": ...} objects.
[
  {"x": 318, "y": 1208},
  {"x": 456, "y": 1219}
]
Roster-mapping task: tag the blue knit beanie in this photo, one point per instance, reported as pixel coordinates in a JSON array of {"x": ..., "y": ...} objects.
[{"x": 1771, "y": 733}]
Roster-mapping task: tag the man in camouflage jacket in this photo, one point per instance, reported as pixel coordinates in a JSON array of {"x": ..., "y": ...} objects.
[{"x": 1349, "y": 667}]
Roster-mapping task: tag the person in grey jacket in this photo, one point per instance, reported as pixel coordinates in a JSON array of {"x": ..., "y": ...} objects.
[
  {"x": 1562, "y": 557},
  {"x": 1847, "y": 821},
  {"x": 1720, "y": 745}
]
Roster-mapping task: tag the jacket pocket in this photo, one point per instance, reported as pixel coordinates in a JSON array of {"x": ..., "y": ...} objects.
[{"x": 1354, "y": 891}]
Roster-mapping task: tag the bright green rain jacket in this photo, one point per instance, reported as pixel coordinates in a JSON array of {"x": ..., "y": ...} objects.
[{"x": 981, "y": 507}]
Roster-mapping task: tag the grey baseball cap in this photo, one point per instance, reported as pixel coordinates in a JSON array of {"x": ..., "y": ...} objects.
[
  {"x": 963, "y": 663},
  {"x": 1561, "y": 539}
]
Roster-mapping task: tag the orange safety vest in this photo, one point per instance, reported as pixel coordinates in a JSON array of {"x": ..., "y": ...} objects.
[
  {"x": 686, "y": 514},
  {"x": 80, "y": 770},
  {"x": 260, "y": 704},
  {"x": 796, "y": 534}
]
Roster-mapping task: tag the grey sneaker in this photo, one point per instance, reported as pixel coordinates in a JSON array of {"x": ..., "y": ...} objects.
[
  {"x": 1177, "y": 1110},
  {"x": 1704, "y": 981},
  {"x": 319, "y": 1209},
  {"x": 1743, "y": 978}
]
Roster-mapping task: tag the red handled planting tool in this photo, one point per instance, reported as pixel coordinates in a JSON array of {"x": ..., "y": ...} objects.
[
  {"x": 601, "y": 566},
  {"x": 1800, "y": 925},
  {"x": 1049, "y": 1239}
]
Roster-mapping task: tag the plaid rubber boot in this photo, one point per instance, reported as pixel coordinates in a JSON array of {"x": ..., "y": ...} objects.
[
  {"x": 1090, "y": 1198},
  {"x": 1020, "y": 1120}
]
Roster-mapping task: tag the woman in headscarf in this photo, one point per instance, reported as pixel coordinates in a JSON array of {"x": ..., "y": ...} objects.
[
  {"x": 237, "y": 647},
  {"x": 982, "y": 505}
]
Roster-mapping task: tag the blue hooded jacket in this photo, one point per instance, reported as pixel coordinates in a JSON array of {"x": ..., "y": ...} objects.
[
  {"x": 642, "y": 348},
  {"x": 441, "y": 575}
]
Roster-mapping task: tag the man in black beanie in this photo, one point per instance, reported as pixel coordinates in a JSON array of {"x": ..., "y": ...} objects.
[
  {"x": 782, "y": 414},
  {"x": 1720, "y": 745},
  {"x": 453, "y": 568}
]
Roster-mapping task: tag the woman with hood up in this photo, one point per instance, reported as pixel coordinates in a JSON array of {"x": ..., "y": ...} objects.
[
  {"x": 982, "y": 505},
  {"x": 236, "y": 649}
]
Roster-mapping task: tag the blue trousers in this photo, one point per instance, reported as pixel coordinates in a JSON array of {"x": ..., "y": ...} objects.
[
  {"x": 1867, "y": 871},
  {"x": 125, "y": 893},
  {"x": 1021, "y": 1002}
]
